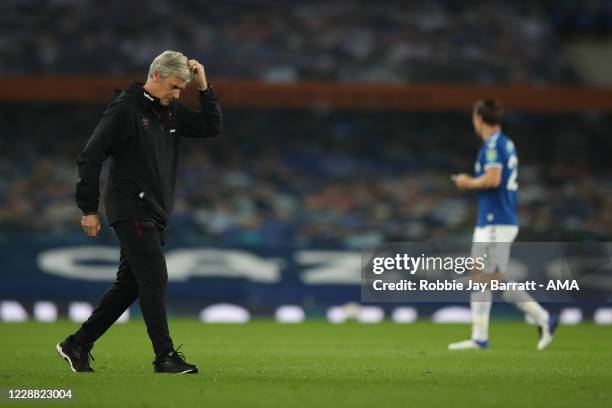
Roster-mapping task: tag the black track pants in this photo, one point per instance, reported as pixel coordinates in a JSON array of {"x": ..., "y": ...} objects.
[{"x": 142, "y": 274}]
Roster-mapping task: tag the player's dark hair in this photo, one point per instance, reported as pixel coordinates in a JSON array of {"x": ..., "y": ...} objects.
[{"x": 490, "y": 110}]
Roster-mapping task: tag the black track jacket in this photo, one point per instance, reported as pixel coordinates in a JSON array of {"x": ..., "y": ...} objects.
[{"x": 142, "y": 139}]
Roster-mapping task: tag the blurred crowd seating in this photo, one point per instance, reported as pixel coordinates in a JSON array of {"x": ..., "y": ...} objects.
[
  {"x": 497, "y": 41},
  {"x": 321, "y": 177}
]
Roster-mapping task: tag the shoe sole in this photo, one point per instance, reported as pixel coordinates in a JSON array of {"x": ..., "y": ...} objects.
[
  {"x": 190, "y": 371},
  {"x": 464, "y": 345},
  {"x": 63, "y": 355},
  {"x": 455, "y": 348}
]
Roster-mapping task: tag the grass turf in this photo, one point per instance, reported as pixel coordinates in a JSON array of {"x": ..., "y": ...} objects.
[{"x": 319, "y": 364}]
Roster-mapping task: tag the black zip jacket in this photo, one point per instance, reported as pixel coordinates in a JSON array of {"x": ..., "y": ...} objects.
[{"x": 142, "y": 138}]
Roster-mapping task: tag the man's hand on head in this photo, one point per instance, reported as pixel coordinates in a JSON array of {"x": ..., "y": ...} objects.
[
  {"x": 91, "y": 224},
  {"x": 199, "y": 74}
]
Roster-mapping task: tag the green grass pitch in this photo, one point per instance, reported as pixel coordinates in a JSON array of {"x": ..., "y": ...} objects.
[{"x": 317, "y": 364}]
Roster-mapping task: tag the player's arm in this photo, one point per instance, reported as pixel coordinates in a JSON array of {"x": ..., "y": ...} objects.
[
  {"x": 208, "y": 120},
  {"x": 89, "y": 163},
  {"x": 490, "y": 179}
]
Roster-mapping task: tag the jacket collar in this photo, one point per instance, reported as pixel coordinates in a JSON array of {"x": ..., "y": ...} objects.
[
  {"x": 136, "y": 91},
  {"x": 147, "y": 97},
  {"x": 150, "y": 98}
]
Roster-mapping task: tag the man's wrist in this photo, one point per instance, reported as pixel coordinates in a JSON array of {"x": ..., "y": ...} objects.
[
  {"x": 86, "y": 213},
  {"x": 478, "y": 183},
  {"x": 207, "y": 87}
]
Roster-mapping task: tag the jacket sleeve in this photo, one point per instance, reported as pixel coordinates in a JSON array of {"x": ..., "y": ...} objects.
[
  {"x": 206, "y": 122},
  {"x": 100, "y": 145}
]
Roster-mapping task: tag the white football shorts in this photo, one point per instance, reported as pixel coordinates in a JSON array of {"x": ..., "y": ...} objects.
[{"x": 493, "y": 243}]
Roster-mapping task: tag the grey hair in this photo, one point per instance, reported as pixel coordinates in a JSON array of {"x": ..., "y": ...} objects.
[{"x": 170, "y": 63}]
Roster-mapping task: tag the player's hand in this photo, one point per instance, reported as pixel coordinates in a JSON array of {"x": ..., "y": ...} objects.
[
  {"x": 91, "y": 224},
  {"x": 199, "y": 75},
  {"x": 462, "y": 181}
]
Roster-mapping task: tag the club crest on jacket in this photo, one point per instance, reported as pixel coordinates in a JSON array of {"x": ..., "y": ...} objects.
[{"x": 146, "y": 123}]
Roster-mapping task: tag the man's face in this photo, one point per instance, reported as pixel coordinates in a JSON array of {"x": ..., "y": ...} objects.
[{"x": 169, "y": 89}]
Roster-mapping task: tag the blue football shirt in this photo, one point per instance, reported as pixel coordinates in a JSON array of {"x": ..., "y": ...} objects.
[{"x": 498, "y": 206}]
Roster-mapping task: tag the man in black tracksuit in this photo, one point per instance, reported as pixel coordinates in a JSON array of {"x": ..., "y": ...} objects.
[{"x": 140, "y": 131}]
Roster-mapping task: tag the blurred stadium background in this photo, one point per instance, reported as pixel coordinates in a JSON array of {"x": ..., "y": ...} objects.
[{"x": 343, "y": 122}]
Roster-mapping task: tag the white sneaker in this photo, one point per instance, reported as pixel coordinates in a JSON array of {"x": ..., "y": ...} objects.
[
  {"x": 469, "y": 345},
  {"x": 547, "y": 332}
]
